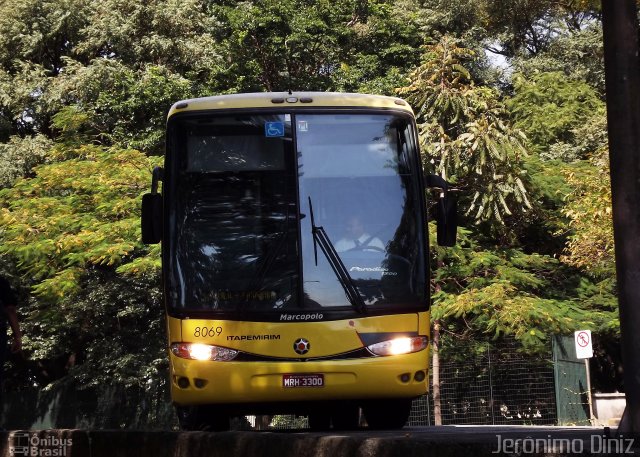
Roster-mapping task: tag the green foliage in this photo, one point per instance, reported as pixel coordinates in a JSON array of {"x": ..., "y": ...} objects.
[
  {"x": 95, "y": 336},
  {"x": 547, "y": 106},
  {"x": 108, "y": 102},
  {"x": 443, "y": 17},
  {"x": 75, "y": 214},
  {"x": 267, "y": 42},
  {"x": 40, "y": 32},
  {"x": 500, "y": 290},
  {"x": 590, "y": 245},
  {"x": 120, "y": 64},
  {"x": 579, "y": 54},
  {"x": 274, "y": 45},
  {"x": 177, "y": 35},
  {"x": 504, "y": 291},
  {"x": 528, "y": 27},
  {"x": 19, "y": 155},
  {"x": 22, "y": 110},
  {"x": 586, "y": 139},
  {"x": 508, "y": 27},
  {"x": 465, "y": 133}
]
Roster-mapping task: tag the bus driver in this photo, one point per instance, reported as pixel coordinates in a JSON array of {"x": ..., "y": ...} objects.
[{"x": 356, "y": 238}]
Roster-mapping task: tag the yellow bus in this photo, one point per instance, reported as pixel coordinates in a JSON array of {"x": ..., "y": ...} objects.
[{"x": 295, "y": 257}]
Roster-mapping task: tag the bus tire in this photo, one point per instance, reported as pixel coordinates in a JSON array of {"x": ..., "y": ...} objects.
[
  {"x": 319, "y": 420},
  {"x": 204, "y": 417},
  {"x": 187, "y": 417},
  {"x": 387, "y": 414},
  {"x": 346, "y": 418}
]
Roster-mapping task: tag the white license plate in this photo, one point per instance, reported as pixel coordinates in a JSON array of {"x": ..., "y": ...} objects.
[{"x": 303, "y": 380}]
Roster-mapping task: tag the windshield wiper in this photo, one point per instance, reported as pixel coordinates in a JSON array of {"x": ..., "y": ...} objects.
[{"x": 320, "y": 237}]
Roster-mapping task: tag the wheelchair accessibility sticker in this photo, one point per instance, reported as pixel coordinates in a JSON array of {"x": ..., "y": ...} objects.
[{"x": 274, "y": 129}]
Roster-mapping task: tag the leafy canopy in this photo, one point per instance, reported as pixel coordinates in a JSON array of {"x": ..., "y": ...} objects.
[
  {"x": 504, "y": 291},
  {"x": 75, "y": 214},
  {"x": 465, "y": 133},
  {"x": 548, "y": 106}
]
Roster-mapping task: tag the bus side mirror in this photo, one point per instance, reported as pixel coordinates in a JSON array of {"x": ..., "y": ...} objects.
[
  {"x": 151, "y": 220},
  {"x": 446, "y": 211},
  {"x": 447, "y": 219}
]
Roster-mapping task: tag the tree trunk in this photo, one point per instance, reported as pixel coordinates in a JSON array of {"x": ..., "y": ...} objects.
[{"x": 620, "y": 31}]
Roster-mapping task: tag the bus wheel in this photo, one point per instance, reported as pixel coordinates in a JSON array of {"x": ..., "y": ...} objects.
[
  {"x": 346, "y": 418},
  {"x": 213, "y": 418},
  {"x": 387, "y": 414},
  {"x": 319, "y": 420},
  {"x": 202, "y": 418},
  {"x": 187, "y": 417}
]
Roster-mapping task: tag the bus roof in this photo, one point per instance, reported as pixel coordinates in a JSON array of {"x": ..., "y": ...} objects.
[{"x": 286, "y": 100}]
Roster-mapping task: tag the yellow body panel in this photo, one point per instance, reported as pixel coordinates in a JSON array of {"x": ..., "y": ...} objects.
[
  {"x": 264, "y": 100},
  {"x": 262, "y": 381},
  {"x": 326, "y": 338}
]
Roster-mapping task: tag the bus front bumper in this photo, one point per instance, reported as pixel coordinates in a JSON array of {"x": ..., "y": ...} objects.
[{"x": 205, "y": 382}]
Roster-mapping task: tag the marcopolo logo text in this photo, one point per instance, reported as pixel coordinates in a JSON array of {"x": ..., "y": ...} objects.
[{"x": 302, "y": 317}]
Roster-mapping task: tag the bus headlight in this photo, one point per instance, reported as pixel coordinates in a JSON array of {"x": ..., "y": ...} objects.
[
  {"x": 399, "y": 346},
  {"x": 196, "y": 351}
]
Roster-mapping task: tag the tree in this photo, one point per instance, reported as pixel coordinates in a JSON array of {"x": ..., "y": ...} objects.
[
  {"x": 590, "y": 245},
  {"x": 20, "y": 155},
  {"x": 505, "y": 291},
  {"x": 109, "y": 103},
  {"x": 528, "y": 27},
  {"x": 60, "y": 53},
  {"x": 40, "y": 32},
  {"x": 319, "y": 46},
  {"x": 465, "y": 134},
  {"x": 272, "y": 45},
  {"x": 491, "y": 285},
  {"x": 548, "y": 106},
  {"x": 512, "y": 28},
  {"x": 579, "y": 54},
  {"x": 465, "y": 137},
  {"x": 74, "y": 214},
  {"x": 23, "y": 111},
  {"x": 73, "y": 232},
  {"x": 177, "y": 35}
]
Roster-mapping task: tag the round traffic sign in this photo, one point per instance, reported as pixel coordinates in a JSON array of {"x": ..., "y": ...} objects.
[{"x": 582, "y": 339}]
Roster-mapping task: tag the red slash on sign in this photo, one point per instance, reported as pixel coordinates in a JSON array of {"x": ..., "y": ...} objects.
[{"x": 583, "y": 339}]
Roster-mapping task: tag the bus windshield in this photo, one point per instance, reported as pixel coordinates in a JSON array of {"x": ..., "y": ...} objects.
[{"x": 240, "y": 231}]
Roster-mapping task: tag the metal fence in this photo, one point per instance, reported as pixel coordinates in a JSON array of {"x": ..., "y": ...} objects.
[
  {"x": 493, "y": 385},
  {"x": 480, "y": 383}
]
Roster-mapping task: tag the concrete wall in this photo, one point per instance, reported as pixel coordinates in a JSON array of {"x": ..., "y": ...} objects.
[
  {"x": 445, "y": 441},
  {"x": 608, "y": 408},
  {"x": 78, "y": 443}
]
